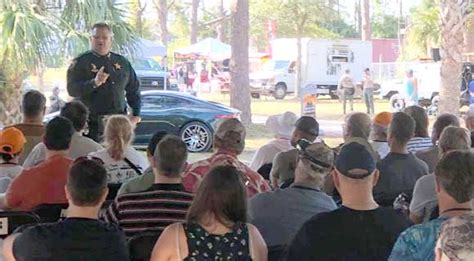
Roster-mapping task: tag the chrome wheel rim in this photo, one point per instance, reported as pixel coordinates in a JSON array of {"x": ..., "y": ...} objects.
[{"x": 196, "y": 138}]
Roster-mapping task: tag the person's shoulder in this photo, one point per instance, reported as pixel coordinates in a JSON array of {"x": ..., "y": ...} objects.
[
  {"x": 324, "y": 218},
  {"x": 88, "y": 141},
  {"x": 84, "y": 56},
  {"x": 131, "y": 152},
  {"x": 420, "y": 162},
  {"x": 39, "y": 232},
  {"x": 426, "y": 180},
  {"x": 285, "y": 155},
  {"x": 109, "y": 227},
  {"x": 99, "y": 154},
  {"x": 422, "y": 231},
  {"x": 390, "y": 216},
  {"x": 265, "y": 197},
  {"x": 119, "y": 57}
]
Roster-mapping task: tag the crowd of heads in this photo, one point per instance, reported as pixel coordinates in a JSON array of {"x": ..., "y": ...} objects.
[{"x": 222, "y": 194}]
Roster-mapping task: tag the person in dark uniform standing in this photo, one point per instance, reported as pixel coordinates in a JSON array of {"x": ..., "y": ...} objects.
[{"x": 103, "y": 80}]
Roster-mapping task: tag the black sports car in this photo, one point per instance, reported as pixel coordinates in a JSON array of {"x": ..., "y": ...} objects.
[{"x": 189, "y": 117}]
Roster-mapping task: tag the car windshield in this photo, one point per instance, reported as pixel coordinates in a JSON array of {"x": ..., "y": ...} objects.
[
  {"x": 146, "y": 65},
  {"x": 276, "y": 65}
]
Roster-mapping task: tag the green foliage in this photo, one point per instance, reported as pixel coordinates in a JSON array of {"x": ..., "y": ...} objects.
[
  {"x": 304, "y": 18},
  {"x": 78, "y": 16},
  {"x": 32, "y": 35},
  {"x": 27, "y": 37},
  {"x": 423, "y": 30},
  {"x": 384, "y": 26}
]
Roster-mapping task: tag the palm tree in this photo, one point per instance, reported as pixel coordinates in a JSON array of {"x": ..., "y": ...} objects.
[
  {"x": 32, "y": 34},
  {"x": 454, "y": 14},
  {"x": 26, "y": 40},
  {"x": 424, "y": 28}
]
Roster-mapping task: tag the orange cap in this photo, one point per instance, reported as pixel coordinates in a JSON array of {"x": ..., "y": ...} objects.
[
  {"x": 11, "y": 141},
  {"x": 383, "y": 119}
]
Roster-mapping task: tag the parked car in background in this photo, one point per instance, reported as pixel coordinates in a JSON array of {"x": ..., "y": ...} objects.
[
  {"x": 151, "y": 75},
  {"x": 191, "y": 118},
  {"x": 429, "y": 81}
]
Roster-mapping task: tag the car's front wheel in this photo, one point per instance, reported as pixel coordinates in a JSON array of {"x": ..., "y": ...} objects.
[
  {"x": 197, "y": 136},
  {"x": 280, "y": 91},
  {"x": 397, "y": 103}
]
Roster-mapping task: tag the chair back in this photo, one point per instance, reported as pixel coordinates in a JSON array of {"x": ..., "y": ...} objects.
[
  {"x": 113, "y": 190},
  {"x": 11, "y": 220},
  {"x": 51, "y": 212},
  {"x": 140, "y": 246},
  {"x": 275, "y": 253}
]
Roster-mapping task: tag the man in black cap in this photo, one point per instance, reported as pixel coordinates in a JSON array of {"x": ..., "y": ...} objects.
[
  {"x": 102, "y": 80},
  {"x": 284, "y": 163},
  {"x": 360, "y": 229}
]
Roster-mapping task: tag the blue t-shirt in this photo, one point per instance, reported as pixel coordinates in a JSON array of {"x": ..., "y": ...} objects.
[
  {"x": 417, "y": 242},
  {"x": 471, "y": 91}
]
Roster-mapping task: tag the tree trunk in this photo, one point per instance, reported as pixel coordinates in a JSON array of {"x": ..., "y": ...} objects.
[
  {"x": 452, "y": 40},
  {"x": 299, "y": 75},
  {"x": 138, "y": 13},
  {"x": 366, "y": 28},
  {"x": 162, "y": 9},
  {"x": 10, "y": 97},
  {"x": 194, "y": 21},
  {"x": 221, "y": 25},
  {"x": 239, "y": 89},
  {"x": 358, "y": 16}
]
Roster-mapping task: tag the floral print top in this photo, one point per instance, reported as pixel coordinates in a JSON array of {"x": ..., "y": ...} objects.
[
  {"x": 196, "y": 172},
  {"x": 234, "y": 245}
]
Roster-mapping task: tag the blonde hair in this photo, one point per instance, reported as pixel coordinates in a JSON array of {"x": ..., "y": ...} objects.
[{"x": 118, "y": 135}]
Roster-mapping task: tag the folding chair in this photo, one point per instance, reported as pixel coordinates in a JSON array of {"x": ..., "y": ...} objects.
[
  {"x": 51, "y": 212},
  {"x": 11, "y": 220},
  {"x": 141, "y": 245},
  {"x": 113, "y": 190}
]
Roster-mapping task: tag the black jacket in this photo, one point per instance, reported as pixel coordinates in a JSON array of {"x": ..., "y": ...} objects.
[{"x": 109, "y": 98}]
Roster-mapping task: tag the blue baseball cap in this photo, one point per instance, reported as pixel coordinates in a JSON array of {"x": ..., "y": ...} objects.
[{"x": 355, "y": 156}]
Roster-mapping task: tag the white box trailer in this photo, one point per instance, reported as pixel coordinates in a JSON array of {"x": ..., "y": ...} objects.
[{"x": 323, "y": 63}]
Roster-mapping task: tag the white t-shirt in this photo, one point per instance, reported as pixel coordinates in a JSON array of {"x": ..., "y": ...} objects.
[
  {"x": 80, "y": 146},
  {"x": 267, "y": 152},
  {"x": 120, "y": 171},
  {"x": 381, "y": 147},
  {"x": 7, "y": 173}
]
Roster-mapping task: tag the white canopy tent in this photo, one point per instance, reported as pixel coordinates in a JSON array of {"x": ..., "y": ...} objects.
[{"x": 209, "y": 48}]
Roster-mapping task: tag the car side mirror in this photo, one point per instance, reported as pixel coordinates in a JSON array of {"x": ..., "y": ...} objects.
[{"x": 291, "y": 70}]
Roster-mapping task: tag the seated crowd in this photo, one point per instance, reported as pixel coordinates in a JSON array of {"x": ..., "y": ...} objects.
[{"x": 389, "y": 192}]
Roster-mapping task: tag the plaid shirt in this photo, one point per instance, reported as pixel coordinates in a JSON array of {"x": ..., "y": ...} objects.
[{"x": 196, "y": 172}]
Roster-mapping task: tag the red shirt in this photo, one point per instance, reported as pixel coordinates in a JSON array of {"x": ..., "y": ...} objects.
[
  {"x": 196, "y": 172},
  {"x": 42, "y": 184}
]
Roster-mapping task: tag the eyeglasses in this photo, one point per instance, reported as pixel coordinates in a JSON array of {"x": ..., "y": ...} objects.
[{"x": 84, "y": 158}]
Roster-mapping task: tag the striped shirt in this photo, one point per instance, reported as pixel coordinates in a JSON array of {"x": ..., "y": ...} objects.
[
  {"x": 152, "y": 210},
  {"x": 419, "y": 143}
]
